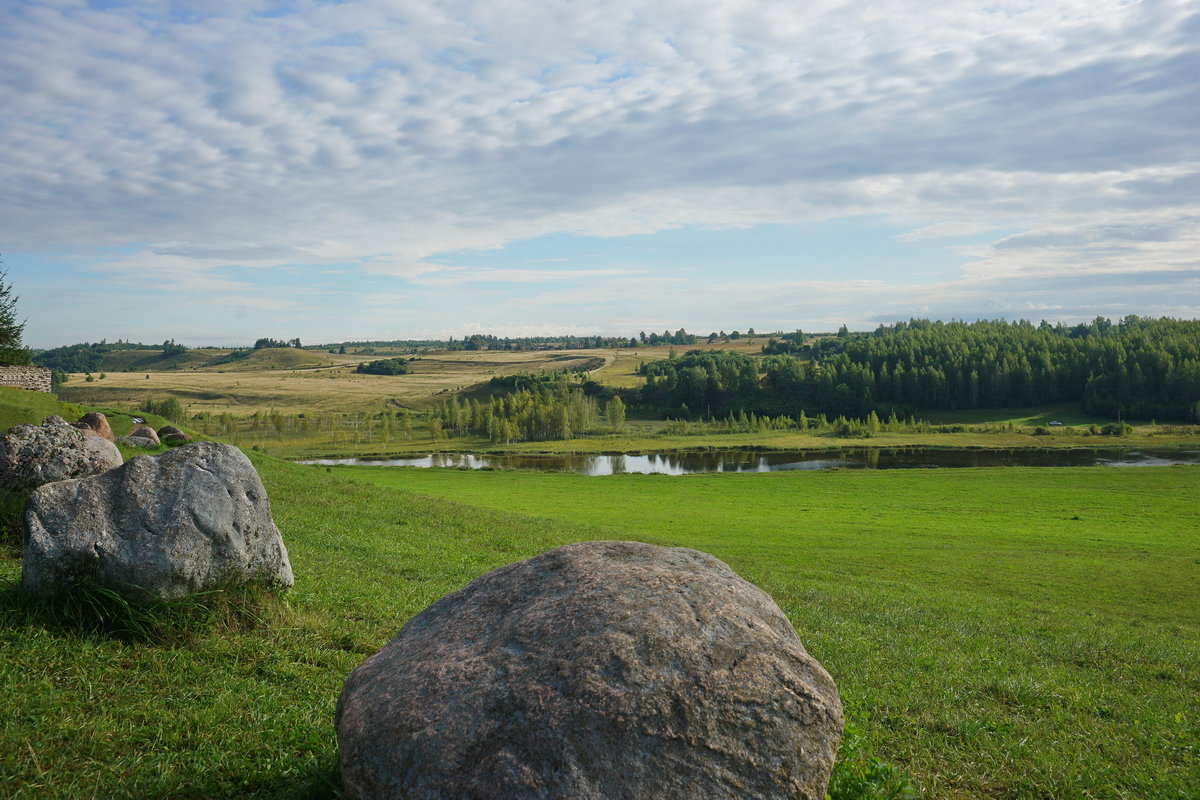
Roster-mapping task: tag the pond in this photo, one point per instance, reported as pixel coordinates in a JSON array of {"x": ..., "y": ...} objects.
[{"x": 686, "y": 463}]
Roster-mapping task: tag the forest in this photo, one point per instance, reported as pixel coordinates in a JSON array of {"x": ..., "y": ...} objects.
[{"x": 1138, "y": 367}]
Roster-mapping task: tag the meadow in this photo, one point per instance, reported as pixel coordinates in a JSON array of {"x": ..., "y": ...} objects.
[
  {"x": 1004, "y": 633},
  {"x": 1016, "y": 633}
]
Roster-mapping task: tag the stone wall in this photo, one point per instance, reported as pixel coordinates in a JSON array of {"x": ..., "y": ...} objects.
[{"x": 35, "y": 378}]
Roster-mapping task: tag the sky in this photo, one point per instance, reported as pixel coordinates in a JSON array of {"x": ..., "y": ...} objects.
[{"x": 215, "y": 171}]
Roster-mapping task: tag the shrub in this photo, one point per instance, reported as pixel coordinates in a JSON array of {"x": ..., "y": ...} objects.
[{"x": 168, "y": 408}]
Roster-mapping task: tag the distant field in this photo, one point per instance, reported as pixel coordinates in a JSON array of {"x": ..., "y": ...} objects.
[
  {"x": 275, "y": 380},
  {"x": 1004, "y": 633}
]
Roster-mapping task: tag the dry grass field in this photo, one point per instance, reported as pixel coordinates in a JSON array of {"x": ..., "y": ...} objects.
[{"x": 332, "y": 386}]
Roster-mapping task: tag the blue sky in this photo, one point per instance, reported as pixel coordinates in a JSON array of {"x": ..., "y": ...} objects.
[{"x": 218, "y": 171}]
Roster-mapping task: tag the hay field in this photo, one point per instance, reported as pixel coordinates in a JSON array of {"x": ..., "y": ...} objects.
[{"x": 331, "y": 389}]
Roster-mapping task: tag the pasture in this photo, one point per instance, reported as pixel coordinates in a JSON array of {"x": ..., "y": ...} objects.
[
  {"x": 261, "y": 384},
  {"x": 1006, "y": 633}
]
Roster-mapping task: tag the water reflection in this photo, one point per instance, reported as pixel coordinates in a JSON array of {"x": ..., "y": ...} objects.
[{"x": 777, "y": 461}]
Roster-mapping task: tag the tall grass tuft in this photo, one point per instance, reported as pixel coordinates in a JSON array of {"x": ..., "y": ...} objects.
[{"x": 88, "y": 609}]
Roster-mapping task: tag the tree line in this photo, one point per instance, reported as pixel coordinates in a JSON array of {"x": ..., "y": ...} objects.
[
  {"x": 1138, "y": 367},
  {"x": 87, "y": 356}
]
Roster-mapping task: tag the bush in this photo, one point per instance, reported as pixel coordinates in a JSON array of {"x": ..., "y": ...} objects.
[
  {"x": 1117, "y": 429},
  {"x": 387, "y": 366},
  {"x": 168, "y": 408}
]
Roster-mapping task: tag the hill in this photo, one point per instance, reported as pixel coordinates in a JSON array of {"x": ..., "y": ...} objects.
[
  {"x": 267, "y": 358},
  {"x": 154, "y": 361}
]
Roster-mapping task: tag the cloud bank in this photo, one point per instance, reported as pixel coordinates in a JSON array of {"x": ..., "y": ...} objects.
[{"x": 207, "y": 144}]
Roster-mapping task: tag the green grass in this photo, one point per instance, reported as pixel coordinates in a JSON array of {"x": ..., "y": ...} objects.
[
  {"x": 1019, "y": 633},
  {"x": 1015, "y": 633},
  {"x": 19, "y": 406},
  {"x": 240, "y": 713}
]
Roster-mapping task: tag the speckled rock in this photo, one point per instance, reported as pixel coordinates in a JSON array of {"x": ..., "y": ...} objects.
[
  {"x": 194, "y": 518},
  {"x": 144, "y": 431},
  {"x": 138, "y": 441},
  {"x": 599, "y": 670},
  {"x": 97, "y": 424},
  {"x": 33, "y": 455}
]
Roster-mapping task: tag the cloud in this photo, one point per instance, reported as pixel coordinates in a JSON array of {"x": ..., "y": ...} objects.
[{"x": 376, "y": 136}]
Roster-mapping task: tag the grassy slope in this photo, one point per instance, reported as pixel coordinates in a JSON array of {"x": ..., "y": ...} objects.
[
  {"x": 21, "y": 405},
  {"x": 242, "y": 713},
  {"x": 1017, "y": 633},
  {"x": 152, "y": 360}
]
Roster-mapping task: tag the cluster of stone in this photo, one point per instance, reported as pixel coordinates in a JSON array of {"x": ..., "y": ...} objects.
[{"x": 33, "y": 455}]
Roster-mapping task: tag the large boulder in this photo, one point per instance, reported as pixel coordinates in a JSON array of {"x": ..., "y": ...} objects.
[
  {"x": 191, "y": 519},
  {"x": 33, "y": 455},
  {"x": 97, "y": 424},
  {"x": 598, "y": 670}
]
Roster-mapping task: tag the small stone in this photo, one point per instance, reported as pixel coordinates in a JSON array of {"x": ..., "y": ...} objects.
[
  {"x": 138, "y": 441},
  {"x": 169, "y": 434},
  {"x": 598, "y": 670},
  {"x": 144, "y": 431}
]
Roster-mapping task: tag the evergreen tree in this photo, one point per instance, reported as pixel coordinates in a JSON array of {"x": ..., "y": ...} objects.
[{"x": 11, "y": 349}]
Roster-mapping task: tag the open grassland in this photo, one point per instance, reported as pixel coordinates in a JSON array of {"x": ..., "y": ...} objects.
[
  {"x": 1003, "y": 633},
  {"x": 323, "y": 389},
  {"x": 997, "y": 633},
  {"x": 245, "y": 711}
]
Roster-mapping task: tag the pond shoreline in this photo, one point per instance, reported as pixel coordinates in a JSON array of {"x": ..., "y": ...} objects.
[{"x": 748, "y": 459}]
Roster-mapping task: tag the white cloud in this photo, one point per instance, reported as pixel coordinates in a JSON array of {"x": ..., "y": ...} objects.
[{"x": 374, "y": 136}]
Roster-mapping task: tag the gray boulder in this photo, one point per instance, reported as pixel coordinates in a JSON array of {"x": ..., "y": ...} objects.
[
  {"x": 138, "y": 441},
  {"x": 144, "y": 431},
  {"x": 33, "y": 455},
  {"x": 599, "y": 670},
  {"x": 191, "y": 519}
]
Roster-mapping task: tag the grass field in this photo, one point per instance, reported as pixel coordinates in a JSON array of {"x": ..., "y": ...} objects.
[
  {"x": 1015, "y": 633},
  {"x": 996, "y": 633},
  {"x": 259, "y": 383},
  {"x": 642, "y": 436}
]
